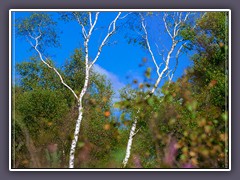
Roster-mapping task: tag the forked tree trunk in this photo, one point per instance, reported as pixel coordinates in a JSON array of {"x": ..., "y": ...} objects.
[{"x": 86, "y": 36}]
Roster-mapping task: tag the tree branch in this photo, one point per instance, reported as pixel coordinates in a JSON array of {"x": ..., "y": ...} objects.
[
  {"x": 166, "y": 26},
  {"x": 49, "y": 66},
  {"x": 81, "y": 24},
  {"x": 177, "y": 56},
  {"x": 125, "y": 15},
  {"x": 90, "y": 18},
  {"x": 110, "y": 32},
  {"x": 148, "y": 44},
  {"x": 92, "y": 25}
]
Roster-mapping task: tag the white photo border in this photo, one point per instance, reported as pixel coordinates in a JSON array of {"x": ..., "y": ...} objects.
[{"x": 116, "y": 10}]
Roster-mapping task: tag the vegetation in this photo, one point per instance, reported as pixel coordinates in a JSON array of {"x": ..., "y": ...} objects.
[
  {"x": 182, "y": 125},
  {"x": 45, "y": 113}
]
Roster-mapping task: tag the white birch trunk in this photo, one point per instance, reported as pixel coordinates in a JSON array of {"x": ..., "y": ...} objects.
[
  {"x": 129, "y": 145},
  {"x": 78, "y": 122},
  {"x": 86, "y": 36},
  {"x": 75, "y": 138},
  {"x": 173, "y": 36},
  {"x": 111, "y": 30}
]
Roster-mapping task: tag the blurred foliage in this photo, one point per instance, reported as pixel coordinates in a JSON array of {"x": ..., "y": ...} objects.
[
  {"x": 184, "y": 124},
  {"x": 45, "y": 113}
]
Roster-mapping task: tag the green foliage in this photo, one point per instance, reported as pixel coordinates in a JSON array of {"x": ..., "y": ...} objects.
[
  {"x": 75, "y": 70},
  {"x": 47, "y": 110},
  {"x": 148, "y": 72},
  {"x": 185, "y": 126},
  {"x": 38, "y": 24},
  {"x": 202, "y": 92},
  {"x": 33, "y": 103},
  {"x": 69, "y": 16},
  {"x": 181, "y": 125},
  {"x": 53, "y": 159}
]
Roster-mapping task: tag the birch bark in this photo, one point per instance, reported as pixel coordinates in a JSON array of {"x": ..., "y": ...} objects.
[
  {"x": 78, "y": 122},
  {"x": 33, "y": 39},
  {"x": 130, "y": 139},
  {"x": 174, "y": 34},
  {"x": 88, "y": 66}
]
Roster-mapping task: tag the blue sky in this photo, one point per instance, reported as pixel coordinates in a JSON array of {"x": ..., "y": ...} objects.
[{"x": 117, "y": 60}]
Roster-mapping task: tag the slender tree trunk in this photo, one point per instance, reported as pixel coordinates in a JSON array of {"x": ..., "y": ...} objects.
[
  {"x": 75, "y": 138},
  {"x": 86, "y": 35},
  {"x": 78, "y": 122},
  {"x": 173, "y": 35},
  {"x": 129, "y": 145}
]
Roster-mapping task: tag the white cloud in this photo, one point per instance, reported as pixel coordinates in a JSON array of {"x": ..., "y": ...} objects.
[{"x": 113, "y": 78}]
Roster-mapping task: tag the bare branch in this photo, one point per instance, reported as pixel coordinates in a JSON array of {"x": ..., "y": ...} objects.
[
  {"x": 86, "y": 44},
  {"x": 30, "y": 42},
  {"x": 180, "y": 18},
  {"x": 125, "y": 15},
  {"x": 81, "y": 24},
  {"x": 48, "y": 65},
  {"x": 177, "y": 56},
  {"x": 160, "y": 75},
  {"x": 170, "y": 78},
  {"x": 186, "y": 17},
  {"x": 109, "y": 27},
  {"x": 159, "y": 53},
  {"x": 134, "y": 133},
  {"x": 174, "y": 43},
  {"x": 90, "y": 18},
  {"x": 93, "y": 25},
  {"x": 110, "y": 32},
  {"x": 148, "y": 44},
  {"x": 165, "y": 72},
  {"x": 29, "y": 34},
  {"x": 165, "y": 24}
]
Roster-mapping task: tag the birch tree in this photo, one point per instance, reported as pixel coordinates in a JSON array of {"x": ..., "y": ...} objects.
[
  {"x": 38, "y": 30},
  {"x": 172, "y": 22}
]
